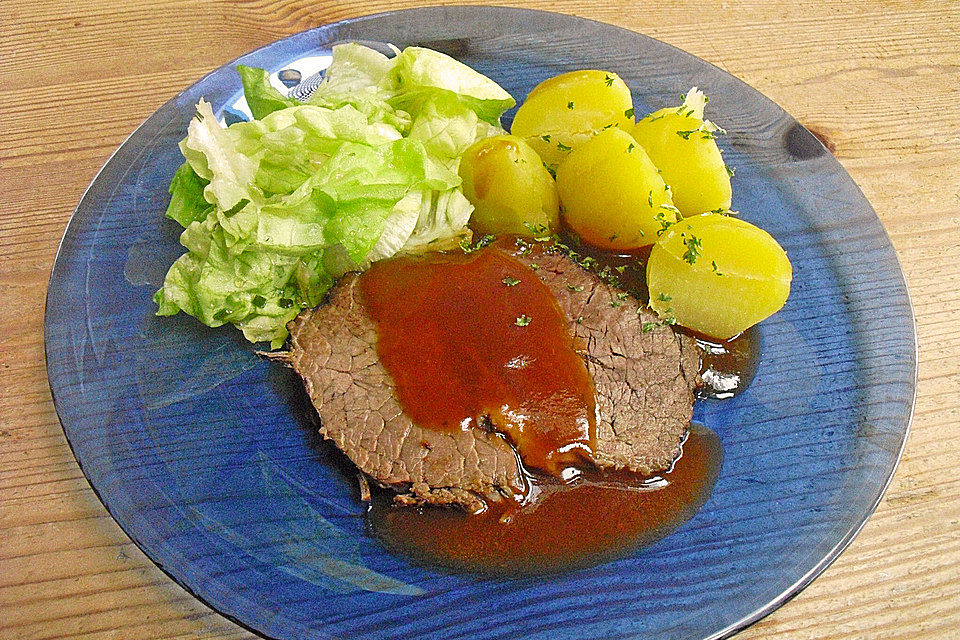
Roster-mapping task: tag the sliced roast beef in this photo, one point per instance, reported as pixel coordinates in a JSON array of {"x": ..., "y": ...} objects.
[{"x": 644, "y": 374}]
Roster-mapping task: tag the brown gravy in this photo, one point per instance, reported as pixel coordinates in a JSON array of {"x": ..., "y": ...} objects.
[
  {"x": 471, "y": 338},
  {"x": 462, "y": 329},
  {"x": 557, "y": 527}
]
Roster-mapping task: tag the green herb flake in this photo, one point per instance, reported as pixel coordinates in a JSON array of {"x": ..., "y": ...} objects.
[
  {"x": 616, "y": 303},
  {"x": 693, "y": 249},
  {"x": 631, "y": 148},
  {"x": 662, "y": 297},
  {"x": 622, "y": 267},
  {"x": 579, "y": 319},
  {"x": 713, "y": 263},
  {"x": 510, "y": 282},
  {"x": 576, "y": 288},
  {"x": 479, "y": 244},
  {"x": 664, "y": 223},
  {"x": 731, "y": 171},
  {"x": 607, "y": 80},
  {"x": 686, "y": 134},
  {"x": 523, "y": 321},
  {"x": 534, "y": 266},
  {"x": 563, "y": 147},
  {"x": 622, "y": 295},
  {"x": 650, "y": 198},
  {"x": 545, "y": 138},
  {"x": 570, "y": 105},
  {"x": 648, "y": 327},
  {"x": 629, "y": 112}
]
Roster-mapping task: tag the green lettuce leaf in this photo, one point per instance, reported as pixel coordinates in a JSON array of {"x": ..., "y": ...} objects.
[
  {"x": 420, "y": 73},
  {"x": 262, "y": 98},
  {"x": 187, "y": 203},
  {"x": 276, "y": 208}
]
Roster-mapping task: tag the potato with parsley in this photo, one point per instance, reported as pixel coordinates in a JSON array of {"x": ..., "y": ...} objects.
[
  {"x": 563, "y": 112},
  {"x": 612, "y": 195},
  {"x": 511, "y": 191},
  {"x": 683, "y": 146},
  {"x": 717, "y": 275}
]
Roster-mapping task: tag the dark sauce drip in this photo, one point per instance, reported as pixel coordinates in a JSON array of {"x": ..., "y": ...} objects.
[
  {"x": 727, "y": 366},
  {"x": 557, "y": 527}
]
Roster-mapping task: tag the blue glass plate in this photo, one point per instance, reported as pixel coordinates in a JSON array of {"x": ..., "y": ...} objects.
[{"x": 205, "y": 454}]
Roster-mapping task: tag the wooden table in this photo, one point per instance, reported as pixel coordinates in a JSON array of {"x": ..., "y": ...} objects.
[{"x": 878, "y": 80}]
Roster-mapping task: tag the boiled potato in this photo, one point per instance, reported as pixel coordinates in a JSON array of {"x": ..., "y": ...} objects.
[
  {"x": 565, "y": 111},
  {"x": 717, "y": 275},
  {"x": 683, "y": 146},
  {"x": 612, "y": 195},
  {"x": 511, "y": 191}
]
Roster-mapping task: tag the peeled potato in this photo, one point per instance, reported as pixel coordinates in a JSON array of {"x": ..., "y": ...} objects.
[
  {"x": 565, "y": 111},
  {"x": 511, "y": 191},
  {"x": 717, "y": 275},
  {"x": 684, "y": 148},
  {"x": 612, "y": 195}
]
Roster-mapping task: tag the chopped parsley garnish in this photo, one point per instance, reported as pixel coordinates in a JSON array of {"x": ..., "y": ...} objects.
[
  {"x": 713, "y": 263},
  {"x": 570, "y": 105},
  {"x": 631, "y": 147},
  {"x": 510, "y": 282},
  {"x": 534, "y": 266},
  {"x": 648, "y": 327},
  {"x": 662, "y": 297},
  {"x": 650, "y": 199},
  {"x": 545, "y": 138},
  {"x": 523, "y": 321},
  {"x": 579, "y": 319},
  {"x": 536, "y": 229},
  {"x": 664, "y": 223},
  {"x": 629, "y": 112},
  {"x": 615, "y": 303},
  {"x": 693, "y": 249},
  {"x": 563, "y": 147},
  {"x": 575, "y": 287},
  {"x": 652, "y": 117},
  {"x": 622, "y": 295},
  {"x": 479, "y": 244},
  {"x": 731, "y": 171},
  {"x": 607, "y": 80},
  {"x": 686, "y": 134}
]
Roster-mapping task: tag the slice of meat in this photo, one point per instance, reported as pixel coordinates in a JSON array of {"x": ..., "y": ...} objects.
[{"x": 644, "y": 382}]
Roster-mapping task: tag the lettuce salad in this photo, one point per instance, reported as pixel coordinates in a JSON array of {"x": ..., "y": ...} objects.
[{"x": 275, "y": 209}]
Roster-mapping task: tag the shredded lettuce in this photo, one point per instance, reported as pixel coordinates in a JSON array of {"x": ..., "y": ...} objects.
[{"x": 275, "y": 209}]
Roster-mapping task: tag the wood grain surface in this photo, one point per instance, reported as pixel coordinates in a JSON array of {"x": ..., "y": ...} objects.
[{"x": 878, "y": 80}]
